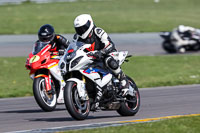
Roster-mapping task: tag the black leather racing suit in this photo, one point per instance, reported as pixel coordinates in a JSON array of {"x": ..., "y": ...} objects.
[{"x": 59, "y": 44}]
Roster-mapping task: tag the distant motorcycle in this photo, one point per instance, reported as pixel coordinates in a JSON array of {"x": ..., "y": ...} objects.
[
  {"x": 85, "y": 78},
  {"x": 47, "y": 80},
  {"x": 172, "y": 45}
]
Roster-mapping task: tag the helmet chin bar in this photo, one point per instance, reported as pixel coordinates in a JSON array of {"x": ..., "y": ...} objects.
[
  {"x": 83, "y": 25},
  {"x": 86, "y": 34}
]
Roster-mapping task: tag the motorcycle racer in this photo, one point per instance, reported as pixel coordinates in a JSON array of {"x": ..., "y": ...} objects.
[
  {"x": 185, "y": 35},
  {"x": 58, "y": 42},
  {"x": 87, "y": 32}
]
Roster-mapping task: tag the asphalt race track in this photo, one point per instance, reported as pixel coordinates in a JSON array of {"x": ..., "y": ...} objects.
[
  {"x": 17, "y": 114},
  {"x": 135, "y": 43}
]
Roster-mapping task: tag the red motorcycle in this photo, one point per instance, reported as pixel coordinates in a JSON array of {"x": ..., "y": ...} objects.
[{"x": 47, "y": 80}]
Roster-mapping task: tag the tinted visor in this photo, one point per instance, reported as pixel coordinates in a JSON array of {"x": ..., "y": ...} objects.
[
  {"x": 82, "y": 29},
  {"x": 46, "y": 38}
]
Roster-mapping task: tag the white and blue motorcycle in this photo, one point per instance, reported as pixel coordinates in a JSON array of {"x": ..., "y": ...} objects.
[{"x": 91, "y": 86}]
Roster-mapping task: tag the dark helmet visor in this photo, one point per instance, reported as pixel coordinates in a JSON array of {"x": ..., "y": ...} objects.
[
  {"x": 46, "y": 38},
  {"x": 82, "y": 29}
]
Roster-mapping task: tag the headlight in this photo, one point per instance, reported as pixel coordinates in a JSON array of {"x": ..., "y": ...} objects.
[
  {"x": 62, "y": 65},
  {"x": 76, "y": 61},
  {"x": 63, "y": 68}
]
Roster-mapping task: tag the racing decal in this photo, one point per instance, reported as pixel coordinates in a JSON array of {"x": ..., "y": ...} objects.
[
  {"x": 47, "y": 83},
  {"x": 70, "y": 51},
  {"x": 57, "y": 37},
  {"x": 34, "y": 59},
  {"x": 99, "y": 31},
  {"x": 108, "y": 45},
  {"x": 95, "y": 70},
  {"x": 54, "y": 57},
  {"x": 53, "y": 48},
  {"x": 100, "y": 77},
  {"x": 91, "y": 48},
  {"x": 98, "y": 97},
  {"x": 44, "y": 51},
  {"x": 52, "y": 65}
]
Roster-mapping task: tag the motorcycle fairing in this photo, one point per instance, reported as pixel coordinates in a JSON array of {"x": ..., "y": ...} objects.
[
  {"x": 99, "y": 76},
  {"x": 43, "y": 60},
  {"x": 95, "y": 70},
  {"x": 119, "y": 56},
  {"x": 55, "y": 71}
]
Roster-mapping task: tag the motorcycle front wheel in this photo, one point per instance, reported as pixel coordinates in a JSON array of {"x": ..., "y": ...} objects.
[
  {"x": 168, "y": 47},
  {"x": 132, "y": 104},
  {"x": 47, "y": 102},
  {"x": 77, "y": 108}
]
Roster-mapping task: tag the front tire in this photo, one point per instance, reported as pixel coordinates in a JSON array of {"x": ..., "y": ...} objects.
[
  {"x": 128, "y": 107},
  {"x": 77, "y": 108},
  {"x": 168, "y": 47},
  {"x": 47, "y": 102}
]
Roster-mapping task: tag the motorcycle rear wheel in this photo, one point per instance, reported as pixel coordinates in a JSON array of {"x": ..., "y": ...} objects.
[
  {"x": 128, "y": 107},
  {"x": 77, "y": 108},
  {"x": 47, "y": 102}
]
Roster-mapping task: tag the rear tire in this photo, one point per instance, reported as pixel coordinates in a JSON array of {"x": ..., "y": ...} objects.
[
  {"x": 128, "y": 108},
  {"x": 76, "y": 107},
  {"x": 45, "y": 101},
  {"x": 196, "y": 47}
]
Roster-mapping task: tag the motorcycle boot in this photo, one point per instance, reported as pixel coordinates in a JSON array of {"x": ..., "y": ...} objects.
[
  {"x": 125, "y": 87},
  {"x": 97, "y": 99},
  {"x": 60, "y": 98}
]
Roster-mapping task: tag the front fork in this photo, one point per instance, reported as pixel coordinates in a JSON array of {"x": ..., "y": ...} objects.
[{"x": 47, "y": 79}]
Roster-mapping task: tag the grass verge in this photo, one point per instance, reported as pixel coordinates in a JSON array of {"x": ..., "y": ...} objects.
[
  {"x": 177, "y": 125},
  {"x": 147, "y": 71},
  {"x": 151, "y": 71},
  {"x": 112, "y": 15}
]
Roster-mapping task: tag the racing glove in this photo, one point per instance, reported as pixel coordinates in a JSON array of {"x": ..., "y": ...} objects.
[
  {"x": 96, "y": 54},
  {"x": 61, "y": 52}
]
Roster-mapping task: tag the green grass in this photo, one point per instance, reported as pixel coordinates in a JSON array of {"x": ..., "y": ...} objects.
[
  {"x": 14, "y": 79},
  {"x": 150, "y": 71},
  {"x": 112, "y": 15},
  {"x": 177, "y": 125},
  {"x": 147, "y": 71}
]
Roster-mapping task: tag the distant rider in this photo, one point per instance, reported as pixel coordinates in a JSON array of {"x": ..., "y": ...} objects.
[
  {"x": 185, "y": 35},
  {"x": 87, "y": 32},
  {"x": 58, "y": 42}
]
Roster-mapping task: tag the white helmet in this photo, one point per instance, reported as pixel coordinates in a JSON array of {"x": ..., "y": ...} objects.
[
  {"x": 83, "y": 25},
  {"x": 181, "y": 28}
]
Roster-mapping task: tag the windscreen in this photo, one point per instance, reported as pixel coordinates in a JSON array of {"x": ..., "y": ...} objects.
[
  {"x": 71, "y": 50},
  {"x": 38, "y": 46}
]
